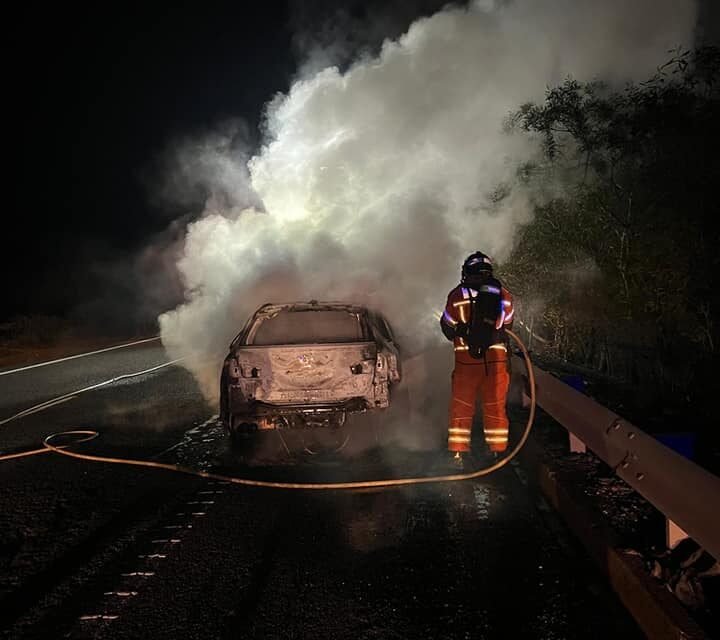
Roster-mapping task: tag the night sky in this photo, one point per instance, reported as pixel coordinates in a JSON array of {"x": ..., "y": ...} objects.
[
  {"x": 98, "y": 95},
  {"x": 97, "y": 98}
]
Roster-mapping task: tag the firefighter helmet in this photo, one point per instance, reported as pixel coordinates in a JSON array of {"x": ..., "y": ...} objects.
[{"x": 476, "y": 264}]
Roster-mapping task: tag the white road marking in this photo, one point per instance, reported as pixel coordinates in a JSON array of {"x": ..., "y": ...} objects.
[
  {"x": 482, "y": 501},
  {"x": 79, "y": 355},
  {"x": 168, "y": 450},
  {"x": 45, "y": 405},
  {"x": 50, "y": 403},
  {"x": 186, "y": 440}
]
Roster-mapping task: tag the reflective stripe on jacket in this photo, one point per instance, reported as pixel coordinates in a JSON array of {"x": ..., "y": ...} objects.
[{"x": 457, "y": 310}]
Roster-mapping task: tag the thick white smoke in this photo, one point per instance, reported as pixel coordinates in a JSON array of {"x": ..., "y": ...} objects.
[{"x": 376, "y": 182}]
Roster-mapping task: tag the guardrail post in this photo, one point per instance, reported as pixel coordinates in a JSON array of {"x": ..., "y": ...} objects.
[
  {"x": 525, "y": 400},
  {"x": 683, "y": 491},
  {"x": 576, "y": 445},
  {"x": 673, "y": 533}
]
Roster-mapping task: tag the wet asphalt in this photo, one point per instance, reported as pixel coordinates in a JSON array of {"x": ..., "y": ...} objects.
[{"x": 90, "y": 550}]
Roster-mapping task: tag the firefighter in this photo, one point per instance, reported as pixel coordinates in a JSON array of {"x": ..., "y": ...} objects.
[{"x": 476, "y": 314}]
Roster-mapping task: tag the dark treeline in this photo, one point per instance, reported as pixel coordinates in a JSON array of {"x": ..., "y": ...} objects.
[{"x": 619, "y": 268}]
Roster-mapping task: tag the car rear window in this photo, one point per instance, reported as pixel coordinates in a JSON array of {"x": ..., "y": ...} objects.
[{"x": 309, "y": 327}]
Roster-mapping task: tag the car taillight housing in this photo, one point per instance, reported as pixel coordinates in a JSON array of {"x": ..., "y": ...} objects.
[
  {"x": 238, "y": 370},
  {"x": 233, "y": 369},
  {"x": 249, "y": 371}
]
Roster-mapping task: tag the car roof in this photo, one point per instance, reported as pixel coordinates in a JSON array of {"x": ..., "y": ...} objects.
[{"x": 272, "y": 309}]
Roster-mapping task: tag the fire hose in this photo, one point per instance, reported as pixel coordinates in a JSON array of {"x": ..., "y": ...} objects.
[{"x": 86, "y": 435}]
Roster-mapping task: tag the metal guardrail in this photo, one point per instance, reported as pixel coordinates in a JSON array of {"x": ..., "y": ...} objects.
[{"x": 684, "y": 492}]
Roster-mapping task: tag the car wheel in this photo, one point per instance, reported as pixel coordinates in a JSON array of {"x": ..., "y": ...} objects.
[{"x": 242, "y": 431}]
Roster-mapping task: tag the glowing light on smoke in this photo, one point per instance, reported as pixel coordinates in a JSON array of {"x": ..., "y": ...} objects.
[{"x": 375, "y": 182}]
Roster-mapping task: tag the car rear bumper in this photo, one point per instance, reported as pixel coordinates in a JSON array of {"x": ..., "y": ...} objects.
[{"x": 269, "y": 409}]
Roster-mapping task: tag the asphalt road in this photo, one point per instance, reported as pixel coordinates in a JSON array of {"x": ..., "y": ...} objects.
[
  {"x": 29, "y": 386},
  {"x": 90, "y": 550}
]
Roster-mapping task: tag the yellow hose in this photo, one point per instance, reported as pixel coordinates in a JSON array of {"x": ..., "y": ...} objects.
[{"x": 365, "y": 484}]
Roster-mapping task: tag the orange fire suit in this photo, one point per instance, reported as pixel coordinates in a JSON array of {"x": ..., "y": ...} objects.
[{"x": 487, "y": 378}]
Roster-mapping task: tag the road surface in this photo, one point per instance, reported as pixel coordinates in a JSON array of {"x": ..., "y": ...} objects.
[{"x": 89, "y": 550}]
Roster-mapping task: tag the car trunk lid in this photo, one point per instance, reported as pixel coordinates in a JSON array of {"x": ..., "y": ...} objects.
[{"x": 313, "y": 373}]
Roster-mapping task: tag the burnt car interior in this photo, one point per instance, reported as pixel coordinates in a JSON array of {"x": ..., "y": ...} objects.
[{"x": 309, "y": 326}]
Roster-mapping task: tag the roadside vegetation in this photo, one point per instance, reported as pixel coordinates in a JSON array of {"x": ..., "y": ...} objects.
[
  {"x": 32, "y": 330},
  {"x": 619, "y": 268}
]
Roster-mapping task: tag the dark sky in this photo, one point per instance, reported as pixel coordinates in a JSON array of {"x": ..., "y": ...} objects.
[{"x": 98, "y": 95}]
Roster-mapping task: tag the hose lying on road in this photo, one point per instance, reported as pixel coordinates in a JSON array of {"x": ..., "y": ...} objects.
[{"x": 363, "y": 484}]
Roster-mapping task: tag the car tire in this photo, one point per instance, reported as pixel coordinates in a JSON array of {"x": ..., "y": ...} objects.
[{"x": 241, "y": 430}]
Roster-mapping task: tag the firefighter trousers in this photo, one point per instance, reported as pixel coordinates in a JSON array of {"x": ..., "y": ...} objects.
[{"x": 489, "y": 380}]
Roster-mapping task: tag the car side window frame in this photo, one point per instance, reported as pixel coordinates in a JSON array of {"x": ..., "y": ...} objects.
[
  {"x": 241, "y": 338},
  {"x": 383, "y": 327},
  {"x": 387, "y": 330}
]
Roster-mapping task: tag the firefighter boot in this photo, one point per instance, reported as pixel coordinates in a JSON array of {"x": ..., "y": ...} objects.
[{"x": 457, "y": 461}]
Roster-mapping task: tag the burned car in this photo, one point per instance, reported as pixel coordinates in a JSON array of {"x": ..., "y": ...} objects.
[{"x": 307, "y": 365}]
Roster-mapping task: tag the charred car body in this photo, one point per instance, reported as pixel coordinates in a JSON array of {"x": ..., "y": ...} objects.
[{"x": 307, "y": 365}]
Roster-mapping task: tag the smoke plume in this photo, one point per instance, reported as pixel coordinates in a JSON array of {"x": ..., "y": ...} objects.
[{"x": 377, "y": 181}]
